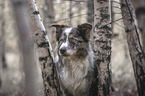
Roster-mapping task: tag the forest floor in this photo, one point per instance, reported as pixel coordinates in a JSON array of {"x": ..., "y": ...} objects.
[{"x": 126, "y": 92}]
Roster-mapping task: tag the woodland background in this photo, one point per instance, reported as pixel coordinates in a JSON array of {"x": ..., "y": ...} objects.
[{"x": 71, "y": 12}]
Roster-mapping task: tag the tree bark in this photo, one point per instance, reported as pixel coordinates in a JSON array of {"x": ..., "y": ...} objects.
[
  {"x": 31, "y": 87},
  {"x": 49, "y": 73},
  {"x": 102, "y": 47},
  {"x": 139, "y": 6},
  {"x": 134, "y": 43}
]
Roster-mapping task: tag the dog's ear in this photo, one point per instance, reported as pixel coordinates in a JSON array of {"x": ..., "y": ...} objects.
[
  {"x": 84, "y": 30},
  {"x": 59, "y": 28}
]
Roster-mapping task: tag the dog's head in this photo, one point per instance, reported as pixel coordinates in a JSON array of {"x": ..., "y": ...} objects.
[{"x": 73, "y": 41}]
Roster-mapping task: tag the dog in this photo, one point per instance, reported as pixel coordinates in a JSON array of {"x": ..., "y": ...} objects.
[{"x": 75, "y": 58}]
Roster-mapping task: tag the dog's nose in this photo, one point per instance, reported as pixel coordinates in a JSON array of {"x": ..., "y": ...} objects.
[{"x": 63, "y": 50}]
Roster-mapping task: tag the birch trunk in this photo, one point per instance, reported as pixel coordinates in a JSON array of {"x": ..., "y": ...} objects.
[
  {"x": 29, "y": 63},
  {"x": 49, "y": 73},
  {"x": 102, "y": 47},
  {"x": 139, "y": 6},
  {"x": 134, "y": 44}
]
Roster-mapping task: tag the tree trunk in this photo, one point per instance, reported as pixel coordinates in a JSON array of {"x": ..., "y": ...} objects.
[
  {"x": 102, "y": 47},
  {"x": 48, "y": 16},
  {"x": 49, "y": 73},
  {"x": 90, "y": 11},
  {"x": 4, "y": 65},
  {"x": 50, "y": 11},
  {"x": 31, "y": 87},
  {"x": 134, "y": 43},
  {"x": 70, "y": 12},
  {"x": 1, "y": 40},
  {"x": 79, "y": 12},
  {"x": 139, "y": 6}
]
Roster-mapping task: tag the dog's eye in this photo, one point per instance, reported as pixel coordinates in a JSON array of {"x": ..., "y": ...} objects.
[
  {"x": 72, "y": 40},
  {"x": 80, "y": 41},
  {"x": 61, "y": 40}
]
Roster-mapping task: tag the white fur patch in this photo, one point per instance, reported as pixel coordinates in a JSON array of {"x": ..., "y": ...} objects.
[
  {"x": 66, "y": 44},
  {"x": 67, "y": 31}
]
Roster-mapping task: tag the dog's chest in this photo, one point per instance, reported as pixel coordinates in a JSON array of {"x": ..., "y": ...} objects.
[{"x": 73, "y": 75}]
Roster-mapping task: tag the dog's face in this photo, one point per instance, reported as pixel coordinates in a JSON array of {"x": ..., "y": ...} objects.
[{"x": 73, "y": 41}]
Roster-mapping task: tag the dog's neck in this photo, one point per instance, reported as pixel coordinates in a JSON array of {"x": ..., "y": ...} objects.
[
  {"x": 75, "y": 71},
  {"x": 80, "y": 63},
  {"x": 74, "y": 61}
]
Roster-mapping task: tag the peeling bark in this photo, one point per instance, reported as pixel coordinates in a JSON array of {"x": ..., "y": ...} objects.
[
  {"x": 102, "y": 47},
  {"x": 134, "y": 44},
  {"x": 49, "y": 73}
]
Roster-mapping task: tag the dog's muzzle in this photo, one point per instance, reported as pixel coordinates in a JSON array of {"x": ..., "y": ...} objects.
[{"x": 63, "y": 51}]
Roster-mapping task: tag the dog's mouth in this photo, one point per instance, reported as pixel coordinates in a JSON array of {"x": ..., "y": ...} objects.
[{"x": 65, "y": 54}]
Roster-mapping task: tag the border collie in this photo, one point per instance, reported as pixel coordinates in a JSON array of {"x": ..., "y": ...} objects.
[{"x": 74, "y": 58}]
